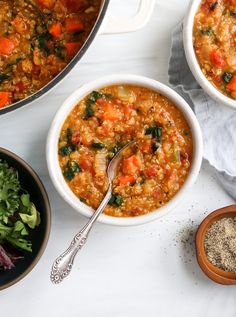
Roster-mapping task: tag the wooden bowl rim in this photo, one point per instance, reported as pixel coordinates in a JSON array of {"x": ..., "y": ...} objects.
[{"x": 214, "y": 273}]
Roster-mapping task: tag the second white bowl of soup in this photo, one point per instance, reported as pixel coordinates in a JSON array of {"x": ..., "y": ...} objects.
[
  {"x": 209, "y": 44},
  {"x": 104, "y": 115}
]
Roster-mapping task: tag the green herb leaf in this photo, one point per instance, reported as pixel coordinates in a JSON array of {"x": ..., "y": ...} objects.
[
  {"x": 116, "y": 200},
  {"x": 155, "y": 132},
  {"x": 89, "y": 112},
  {"x": 97, "y": 146},
  {"x": 60, "y": 52},
  {"x": 10, "y": 65},
  {"x": 227, "y": 77},
  {"x": 208, "y": 32},
  {"x": 107, "y": 96},
  {"x": 42, "y": 40},
  {"x": 71, "y": 169},
  {"x": 155, "y": 146},
  {"x": 116, "y": 149},
  {"x": 65, "y": 150},
  {"x": 93, "y": 97},
  {"x": 119, "y": 200},
  {"x": 4, "y": 77}
]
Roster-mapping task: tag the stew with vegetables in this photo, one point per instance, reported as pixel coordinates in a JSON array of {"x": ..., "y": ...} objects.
[
  {"x": 38, "y": 38},
  {"x": 151, "y": 171},
  {"x": 214, "y": 39}
]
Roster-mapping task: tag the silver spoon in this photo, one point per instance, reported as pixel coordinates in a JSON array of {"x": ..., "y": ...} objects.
[{"x": 63, "y": 264}]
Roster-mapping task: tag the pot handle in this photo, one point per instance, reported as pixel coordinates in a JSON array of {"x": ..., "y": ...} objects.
[{"x": 112, "y": 25}]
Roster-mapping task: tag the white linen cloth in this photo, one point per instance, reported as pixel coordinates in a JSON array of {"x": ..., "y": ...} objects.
[{"x": 218, "y": 122}]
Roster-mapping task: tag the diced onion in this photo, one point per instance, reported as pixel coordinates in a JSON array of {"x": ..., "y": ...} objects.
[{"x": 126, "y": 95}]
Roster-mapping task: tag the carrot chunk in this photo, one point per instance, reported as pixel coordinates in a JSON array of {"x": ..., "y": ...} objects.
[
  {"x": 6, "y": 46},
  {"x": 72, "y": 48},
  {"x": 125, "y": 180},
  {"x": 232, "y": 84},
  {"x": 131, "y": 165},
  {"x": 4, "y": 98},
  {"x": 217, "y": 59},
  {"x": 86, "y": 162},
  {"x": 110, "y": 113},
  {"x": 55, "y": 29},
  {"x": 48, "y": 4},
  {"x": 74, "y": 25}
]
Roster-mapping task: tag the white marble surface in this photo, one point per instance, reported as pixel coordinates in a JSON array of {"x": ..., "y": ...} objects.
[{"x": 122, "y": 272}]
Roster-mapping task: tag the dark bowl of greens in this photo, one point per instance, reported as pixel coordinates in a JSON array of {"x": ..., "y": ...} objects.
[{"x": 25, "y": 218}]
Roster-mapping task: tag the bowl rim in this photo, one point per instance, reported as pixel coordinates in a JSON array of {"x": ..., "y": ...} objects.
[
  {"x": 42, "y": 189},
  {"x": 54, "y": 131},
  {"x": 214, "y": 273},
  {"x": 193, "y": 64}
]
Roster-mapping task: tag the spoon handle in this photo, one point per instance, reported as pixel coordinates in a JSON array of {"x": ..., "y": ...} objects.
[{"x": 63, "y": 264}]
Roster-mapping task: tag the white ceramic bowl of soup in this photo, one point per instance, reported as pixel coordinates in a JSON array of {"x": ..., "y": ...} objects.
[
  {"x": 194, "y": 66},
  {"x": 68, "y": 105}
]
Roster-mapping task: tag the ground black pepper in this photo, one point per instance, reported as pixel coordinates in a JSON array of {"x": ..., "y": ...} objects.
[{"x": 220, "y": 244}]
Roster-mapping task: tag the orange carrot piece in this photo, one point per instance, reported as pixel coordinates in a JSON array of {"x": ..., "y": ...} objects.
[
  {"x": 6, "y": 46},
  {"x": 55, "y": 29},
  {"x": 4, "y": 98},
  {"x": 110, "y": 113},
  {"x": 72, "y": 48},
  {"x": 125, "y": 180},
  {"x": 217, "y": 59},
  {"x": 131, "y": 165},
  {"x": 86, "y": 162},
  {"x": 74, "y": 25},
  {"x": 48, "y": 4},
  {"x": 232, "y": 84}
]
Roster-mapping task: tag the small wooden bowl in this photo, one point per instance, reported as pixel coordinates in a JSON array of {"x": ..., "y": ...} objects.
[{"x": 213, "y": 272}]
